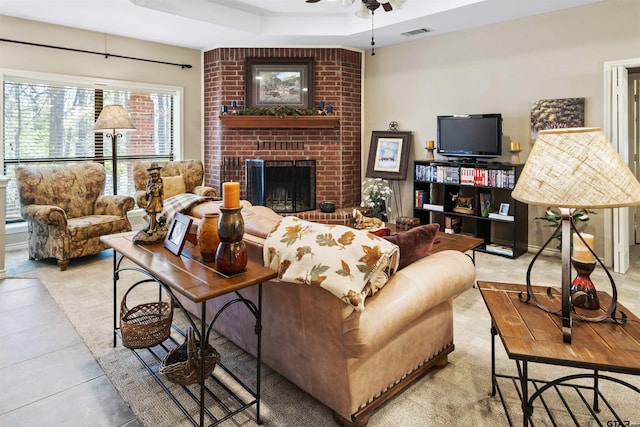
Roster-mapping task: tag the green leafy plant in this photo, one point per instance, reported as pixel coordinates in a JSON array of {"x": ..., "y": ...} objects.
[
  {"x": 278, "y": 111},
  {"x": 580, "y": 217}
]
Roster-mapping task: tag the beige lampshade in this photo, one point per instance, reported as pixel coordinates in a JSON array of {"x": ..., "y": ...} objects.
[
  {"x": 576, "y": 168},
  {"x": 113, "y": 117}
]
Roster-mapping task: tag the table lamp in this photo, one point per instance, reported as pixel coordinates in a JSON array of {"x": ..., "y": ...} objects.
[
  {"x": 574, "y": 168},
  {"x": 113, "y": 118}
]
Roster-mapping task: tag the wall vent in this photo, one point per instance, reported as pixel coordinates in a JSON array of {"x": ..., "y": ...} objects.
[{"x": 416, "y": 32}]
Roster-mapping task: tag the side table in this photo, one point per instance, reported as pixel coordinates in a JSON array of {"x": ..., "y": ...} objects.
[
  {"x": 530, "y": 334},
  {"x": 190, "y": 276},
  {"x": 456, "y": 242}
]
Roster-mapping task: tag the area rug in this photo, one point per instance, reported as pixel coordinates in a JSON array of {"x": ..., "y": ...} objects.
[{"x": 458, "y": 394}]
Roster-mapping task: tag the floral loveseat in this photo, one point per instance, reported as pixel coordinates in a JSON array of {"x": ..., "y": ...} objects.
[
  {"x": 350, "y": 359},
  {"x": 178, "y": 177},
  {"x": 65, "y": 211}
]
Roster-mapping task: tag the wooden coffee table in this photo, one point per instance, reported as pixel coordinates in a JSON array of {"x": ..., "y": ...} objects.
[
  {"x": 456, "y": 242},
  {"x": 530, "y": 334}
]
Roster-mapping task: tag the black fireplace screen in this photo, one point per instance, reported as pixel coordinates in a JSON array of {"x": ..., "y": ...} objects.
[{"x": 283, "y": 185}]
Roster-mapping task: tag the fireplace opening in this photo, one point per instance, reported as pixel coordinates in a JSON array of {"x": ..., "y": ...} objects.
[{"x": 286, "y": 186}]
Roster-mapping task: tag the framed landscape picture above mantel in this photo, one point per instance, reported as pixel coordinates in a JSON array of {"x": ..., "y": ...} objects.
[
  {"x": 388, "y": 154},
  {"x": 271, "y": 82}
]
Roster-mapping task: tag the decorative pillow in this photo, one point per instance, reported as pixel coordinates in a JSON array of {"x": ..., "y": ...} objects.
[
  {"x": 173, "y": 185},
  {"x": 414, "y": 243},
  {"x": 351, "y": 264}
]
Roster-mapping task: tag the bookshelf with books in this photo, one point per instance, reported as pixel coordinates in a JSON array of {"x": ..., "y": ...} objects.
[{"x": 476, "y": 196}]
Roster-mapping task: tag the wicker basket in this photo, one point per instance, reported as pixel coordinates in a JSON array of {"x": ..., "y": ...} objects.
[
  {"x": 182, "y": 364},
  {"x": 145, "y": 325}
]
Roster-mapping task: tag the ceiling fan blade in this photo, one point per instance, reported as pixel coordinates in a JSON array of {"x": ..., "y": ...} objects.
[
  {"x": 312, "y": 1},
  {"x": 397, "y": 4},
  {"x": 387, "y": 7}
]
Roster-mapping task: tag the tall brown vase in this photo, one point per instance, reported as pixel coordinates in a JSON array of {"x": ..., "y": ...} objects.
[
  {"x": 231, "y": 256},
  {"x": 208, "y": 239}
]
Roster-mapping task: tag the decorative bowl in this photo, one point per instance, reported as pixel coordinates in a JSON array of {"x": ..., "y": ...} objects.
[{"x": 327, "y": 207}]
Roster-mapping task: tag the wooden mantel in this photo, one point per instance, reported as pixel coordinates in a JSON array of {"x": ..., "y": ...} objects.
[{"x": 272, "y": 122}]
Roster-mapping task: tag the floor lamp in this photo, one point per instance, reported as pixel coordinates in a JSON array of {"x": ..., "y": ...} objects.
[
  {"x": 112, "y": 119},
  {"x": 575, "y": 168}
]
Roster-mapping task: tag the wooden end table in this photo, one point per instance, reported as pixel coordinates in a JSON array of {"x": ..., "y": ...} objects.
[
  {"x": 530, "y": 334},
  {"x": 199, "y": 282},
  {"x": 445, "y": 241},
  {"x": 456, "y": 242}
]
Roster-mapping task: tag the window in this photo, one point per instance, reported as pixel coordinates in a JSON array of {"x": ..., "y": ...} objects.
[{"x": 49, "y": 121}]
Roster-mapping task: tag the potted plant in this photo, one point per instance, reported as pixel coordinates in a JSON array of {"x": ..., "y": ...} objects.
[
  {"x": 579, "y": 216},
  {"x": 376, "y": 194}
]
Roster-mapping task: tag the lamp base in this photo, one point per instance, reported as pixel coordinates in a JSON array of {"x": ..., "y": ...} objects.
[{"x": 583, "y": 292}]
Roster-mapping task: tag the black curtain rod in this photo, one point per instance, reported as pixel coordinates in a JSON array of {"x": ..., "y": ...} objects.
[{"x": 106, "y": 55}]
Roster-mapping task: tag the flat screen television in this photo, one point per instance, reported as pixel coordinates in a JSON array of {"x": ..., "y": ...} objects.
[{"x": 470, "y": 135}]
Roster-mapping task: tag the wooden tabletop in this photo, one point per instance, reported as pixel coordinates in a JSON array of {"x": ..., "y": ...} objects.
[
  {"x": 187, "y": 273},
  {"x": 456, "y": 242},
  {"x": 531, "y": 334}
]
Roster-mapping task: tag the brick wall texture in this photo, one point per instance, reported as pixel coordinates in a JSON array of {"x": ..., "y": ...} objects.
[{"x": 337, "y": 82}]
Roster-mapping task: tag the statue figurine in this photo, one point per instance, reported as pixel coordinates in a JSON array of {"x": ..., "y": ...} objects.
[
  {"x": 156, "y": 230},
  {"x": 154, "y": 196}
]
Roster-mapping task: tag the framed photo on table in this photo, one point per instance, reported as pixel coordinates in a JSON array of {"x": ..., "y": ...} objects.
[
  {"x": 271, "y": 82},
  {"x": 177, "y": 234},
  {"x": 388, "y": 154}
]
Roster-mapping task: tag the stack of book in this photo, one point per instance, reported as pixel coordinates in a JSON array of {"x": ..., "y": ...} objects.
[
  {"x": 493, "y": 215},
  {"x": 499, "y": 249}
]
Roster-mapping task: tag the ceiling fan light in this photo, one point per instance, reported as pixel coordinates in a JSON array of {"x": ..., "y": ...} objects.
[{"x": 347, "y": 3}]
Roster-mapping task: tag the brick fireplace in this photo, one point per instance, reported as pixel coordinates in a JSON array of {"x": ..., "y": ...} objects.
[{"x": 336, "y": 150}]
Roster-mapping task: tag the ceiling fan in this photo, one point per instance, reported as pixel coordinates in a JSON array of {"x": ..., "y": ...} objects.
[
  {"x": 369, "y": 5},
  {"x": 367, "y": 8}
]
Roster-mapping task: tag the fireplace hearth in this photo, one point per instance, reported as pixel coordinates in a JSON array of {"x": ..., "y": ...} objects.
[{"x": 286, "y": 186}]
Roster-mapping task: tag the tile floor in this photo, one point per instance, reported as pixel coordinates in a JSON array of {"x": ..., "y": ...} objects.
[{"x": 48, "y": 377}]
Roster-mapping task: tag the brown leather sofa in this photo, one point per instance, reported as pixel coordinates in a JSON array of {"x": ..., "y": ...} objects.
[{"x": 350, "y": 361}]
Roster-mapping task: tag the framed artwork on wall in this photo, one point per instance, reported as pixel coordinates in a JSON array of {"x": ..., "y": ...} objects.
[
  {"x": 270, "y": 82},
  {"x": 177, "y": 234},
  {"x": 388, "y": 154},
  {"x": 556, "y": 113}
]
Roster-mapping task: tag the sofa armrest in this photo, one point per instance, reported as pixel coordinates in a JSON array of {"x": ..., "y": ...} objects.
[
  {"x": 48, "y": 215},
  {"x": 435, "y": 278},
  {"x": 113, "y": 205},
  {"x": 409, "y": 293},
  {"x": 203, "y": 190}
]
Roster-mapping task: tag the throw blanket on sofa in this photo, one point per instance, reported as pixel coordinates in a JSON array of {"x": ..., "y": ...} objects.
[
  {"x": 349, "y": 263},
  {"x": 181, "y": 203}
]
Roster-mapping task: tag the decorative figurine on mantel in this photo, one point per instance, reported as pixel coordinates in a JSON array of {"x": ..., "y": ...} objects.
[{"x": 156, "y": 231}]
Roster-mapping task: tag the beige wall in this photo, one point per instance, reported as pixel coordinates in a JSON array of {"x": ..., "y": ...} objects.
[
  {"x": 500, "y": 68},
  {"x": 44, "y": 60}
]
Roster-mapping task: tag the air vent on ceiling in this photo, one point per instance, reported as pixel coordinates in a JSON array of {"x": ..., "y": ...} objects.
[{"x": 416, "y": 32}]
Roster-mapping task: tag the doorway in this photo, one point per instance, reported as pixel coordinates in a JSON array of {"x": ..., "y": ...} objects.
[
  {"x": 634, "y": 138},
  {"x": 622, "y": 128}
]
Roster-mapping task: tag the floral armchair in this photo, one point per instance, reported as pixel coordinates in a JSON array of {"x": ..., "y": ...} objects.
[
  {"x": 178, "y": 176},
  {"x": 65, "y": 211}
]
